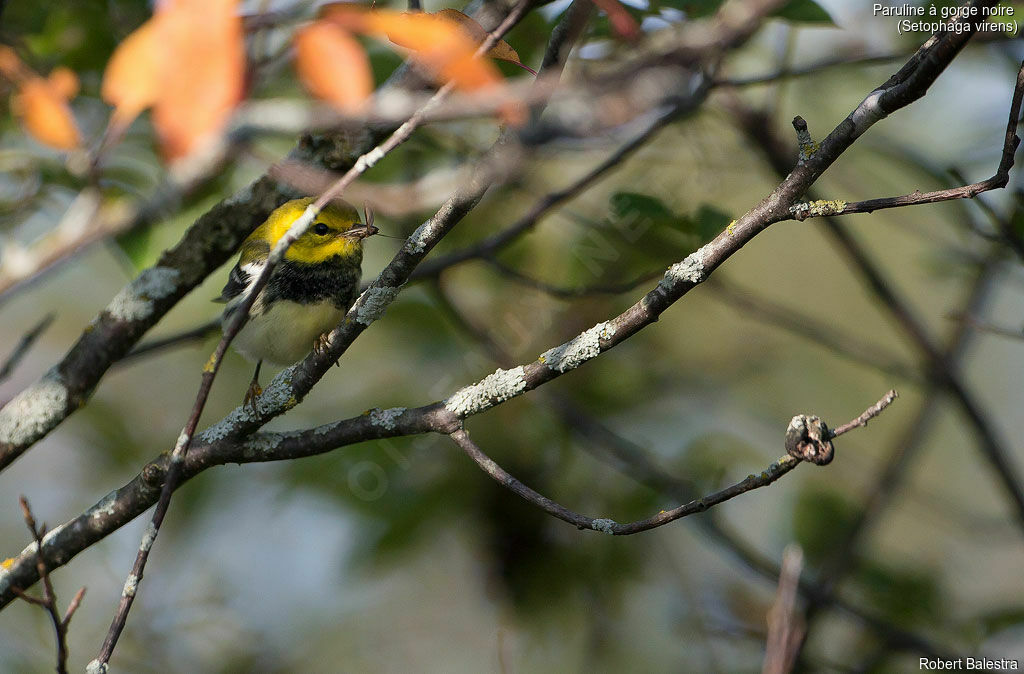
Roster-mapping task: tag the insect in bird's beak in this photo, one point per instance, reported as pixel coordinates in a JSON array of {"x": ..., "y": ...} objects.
[{"x": 362, "y": 231}]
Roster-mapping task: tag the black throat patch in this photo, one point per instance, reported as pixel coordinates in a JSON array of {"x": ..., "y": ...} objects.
[{"x": 332, "y": 280}]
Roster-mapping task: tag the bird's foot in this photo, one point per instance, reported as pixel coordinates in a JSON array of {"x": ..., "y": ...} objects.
[
  {"x": 254, "y": 392},
  {"x": 322, "y": 345}
]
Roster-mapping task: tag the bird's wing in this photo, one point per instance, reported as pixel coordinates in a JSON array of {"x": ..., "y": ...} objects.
[{"x": 238, "y": 281}]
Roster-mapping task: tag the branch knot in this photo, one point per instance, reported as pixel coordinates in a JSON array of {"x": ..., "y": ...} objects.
[{"x": 809, "y": 439}]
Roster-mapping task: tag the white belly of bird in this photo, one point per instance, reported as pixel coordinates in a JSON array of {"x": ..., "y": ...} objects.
[{"x": 286, "y": 332}]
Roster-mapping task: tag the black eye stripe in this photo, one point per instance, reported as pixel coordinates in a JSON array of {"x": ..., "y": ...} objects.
[{"x": 320, "y": 228}]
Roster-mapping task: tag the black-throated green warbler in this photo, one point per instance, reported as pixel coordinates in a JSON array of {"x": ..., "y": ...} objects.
[{"x": 308, "y": 291}]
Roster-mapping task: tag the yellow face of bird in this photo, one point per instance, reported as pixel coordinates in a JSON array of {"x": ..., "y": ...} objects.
[{"x": 335, "y": 232}]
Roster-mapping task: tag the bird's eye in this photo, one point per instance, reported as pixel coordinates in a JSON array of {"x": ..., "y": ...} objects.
[{"x": 320, "y": 228}]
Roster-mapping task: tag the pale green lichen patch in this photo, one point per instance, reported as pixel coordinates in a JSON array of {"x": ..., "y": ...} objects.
[
  {"x": 97, "y": 667},
  {"x": 807, "y": 145},
  {"x": 326, "y": 428},
  {"x": 105, "y": 508},
  {"x": 492, "y": 389},
  {"x": 34, "y": 411},
  {"x": 148, "y": 538},
  {"x": 690, "y": 270},
  {"x": 131, "y": 584},
  {"x": 276, "y": 397},
  {"x": 373, "y": 302},
  {"x": 819, "y": 208},
  {"x": 578, "y": 350},
  {"x": 263, "y": 444},
  {"x": 604, "y": 525},
  {"x": 135, "y": 301},
  {"x": 416, "y": 244},
  {"x": 386, "y": 418}
]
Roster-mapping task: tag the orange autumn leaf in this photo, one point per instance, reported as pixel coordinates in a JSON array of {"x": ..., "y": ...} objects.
[
  {"x": 131, "y": 82},
  {"x": 437, "y": 44},
  {"x": 502, "y": 51},
  {"x": 42, "y": 104},
  {"x": 188, "y": 64},
  {"x": 332, "y": 65},
  {"x": 207, "y": 47},
  {"x": 46, "y": 115}
]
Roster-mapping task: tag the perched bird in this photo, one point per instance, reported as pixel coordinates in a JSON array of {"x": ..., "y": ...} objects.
[{"x": 308, "y": 291}]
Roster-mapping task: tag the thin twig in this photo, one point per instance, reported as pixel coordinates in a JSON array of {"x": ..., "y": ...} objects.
[
  {"x": 869, "y": 414},
  {"x": 196, "y": 334},
  {"x": 609, "y": 526},
  {"x": 24, "y": 344},
  {"x": 633, "y": 462},
  {"x": 778, "y": 155},
  {"x": 49, "y": 599}
]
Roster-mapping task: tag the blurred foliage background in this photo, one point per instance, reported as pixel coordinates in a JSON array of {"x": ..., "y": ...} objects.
[{"x": 401, "y": 555}]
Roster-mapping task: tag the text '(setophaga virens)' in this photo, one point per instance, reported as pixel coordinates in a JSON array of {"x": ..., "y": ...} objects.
[{"x": 308, "y": 291}]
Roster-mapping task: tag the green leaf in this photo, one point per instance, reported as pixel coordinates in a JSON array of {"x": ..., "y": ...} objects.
[{"x": 804, "y": 11}]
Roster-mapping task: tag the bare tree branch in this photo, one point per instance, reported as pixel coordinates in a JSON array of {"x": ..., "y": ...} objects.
[
  {"x": 992, "y": 447},
  {"x": 610, "y": 526}
]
